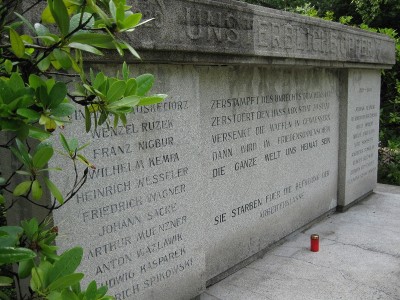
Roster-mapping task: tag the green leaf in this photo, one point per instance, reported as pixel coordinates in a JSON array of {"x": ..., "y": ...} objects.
[
  {"x": 6, "y": 93},
  {"x": 57, "y": 94},
  {"x": 152, "y": 99},
  {"x": 17, "y": 45},
  {"x": 28, "y": 113},
  {"x": 54, "y": 190},
  {"x": 63, "y": 58},
  {"x": 86, "y": 18},
  {"x": 76, "y": 288},
  {"x": 125, "y": 71},
  {"x": 102, "y": 291},
  {"x": 41, "y": 30},
  {"x": 91, "y": 291},
  {"x": 67, "y": 263},
  {"x": 2, "y": 199},
  {"x": 123, "y": 119},
  {"x": 9, "y": 255},
  {"x": 16, "y": 83},
  {"x": 30, "y": 227},
  {"x": 35, "y": 81},
  {"x": 48, "y": 251},
  {"x": 103, "y": 117},
  {"x": 73, "y": 144},
  {"x": 8, "y": 66},
  {"x": 132, "y": 20},
  {"x": 144, "y": 84},
  {"x": 42, "y": 156},
  {"x": 68, "y": 295},
  {"x": 9, "y": 236},
  {"x": 64, "y": 143},
  {"x": 37, "y": 279},
  {"x": 131, "y": 87},
  {"x": 116, "y": 119},
  {"x": 120, "y": 13},
  {"x": 37, "y": 191},
  {"x": 129, "y": 101},
  {"x": 5, "y": 281},
  {"x": 25, "y": 268},
  {"x": 119, "y": 48},
  {"x": 113, "y": 9},
  {"x": 88, "y": 120},
  {"x": 84, "y": 146},
  {"x": 44, "y": 64},
  {"x": 38, "y": 133},
  {"x": 54, "y": 295},
  {"x": 23, "y": 173},
  {"x": 8, "y": 241},
  {"x": 116, "y": 91},
  {"x": 65, "y": 281},
  {"x": 47, "y": 17},
  {"x": 43, "y": 96},
  {"x": 22, "y": 188},
  {"x": 63, "y": 110},
  {"x": 100, "y": 82},
  {"x": 85, "y": 47},
  {"x": 60, "y": 14},
  {"x": 131, "y": 50},
  {"x": 94, "y": 39},
  {"x": 23, "y": 132},
  {"x": 12, "y": 230}
]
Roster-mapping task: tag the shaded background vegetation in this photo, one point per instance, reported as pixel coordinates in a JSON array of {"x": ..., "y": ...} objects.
[{"x": 375, "y": 15}]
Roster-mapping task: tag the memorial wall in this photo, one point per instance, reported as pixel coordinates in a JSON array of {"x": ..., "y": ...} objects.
[
  {"x": 271, "y": 121},
  {"x": 270, "y": 140}
]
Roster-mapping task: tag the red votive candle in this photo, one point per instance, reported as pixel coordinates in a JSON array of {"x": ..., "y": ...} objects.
[{"x": 314, "y": 242}]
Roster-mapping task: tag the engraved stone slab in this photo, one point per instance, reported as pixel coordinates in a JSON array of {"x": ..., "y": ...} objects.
[
  {"x": 270, "y": 139},
  {"x": 360, "y": 121},
  {"x": 237, "y": 28},
  {"x": 138, "y": 216},
  {"x": 237, "y": 157}
]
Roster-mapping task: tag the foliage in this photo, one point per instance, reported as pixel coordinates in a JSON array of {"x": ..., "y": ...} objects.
[
  {"x": 378, "y": 13},
  {"x": 37, "y": 61},
  {"x": 388, "y": 169},
  {"x": 307, "y": 9}
]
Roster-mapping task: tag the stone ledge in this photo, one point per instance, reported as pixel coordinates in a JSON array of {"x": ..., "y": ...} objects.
[{"x": 231, "y": 28}]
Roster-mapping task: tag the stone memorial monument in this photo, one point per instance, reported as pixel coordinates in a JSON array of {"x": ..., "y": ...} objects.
[{"x": 271, "y": 122}]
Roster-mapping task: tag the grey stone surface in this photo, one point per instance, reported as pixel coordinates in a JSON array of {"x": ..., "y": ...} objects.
[
  {"x": 139, "y": 216},
  {"x": 250, "y": 153},
  {"x": 238, "y": 156},
  {"x": 270, "y": 140},
  {"x": 358, "y": 259},
  {"x": 359, "y": 122},
  {"x": 229, "y": 27}
]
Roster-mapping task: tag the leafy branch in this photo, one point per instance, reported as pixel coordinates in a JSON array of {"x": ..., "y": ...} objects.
[{"x": 36, "y": 99}]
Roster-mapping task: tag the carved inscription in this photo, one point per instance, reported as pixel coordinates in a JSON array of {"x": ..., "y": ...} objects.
[
  {"x": 132, "y": 201},
  {"x": 270, "y": 158},
  {"x": 217, "y": 26},
  {"x": 311, "y": 40},
  {"x": 274, "y": 202},
  {"x": 297, "y": 126},
  {"x": 364, "y": 120}
]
